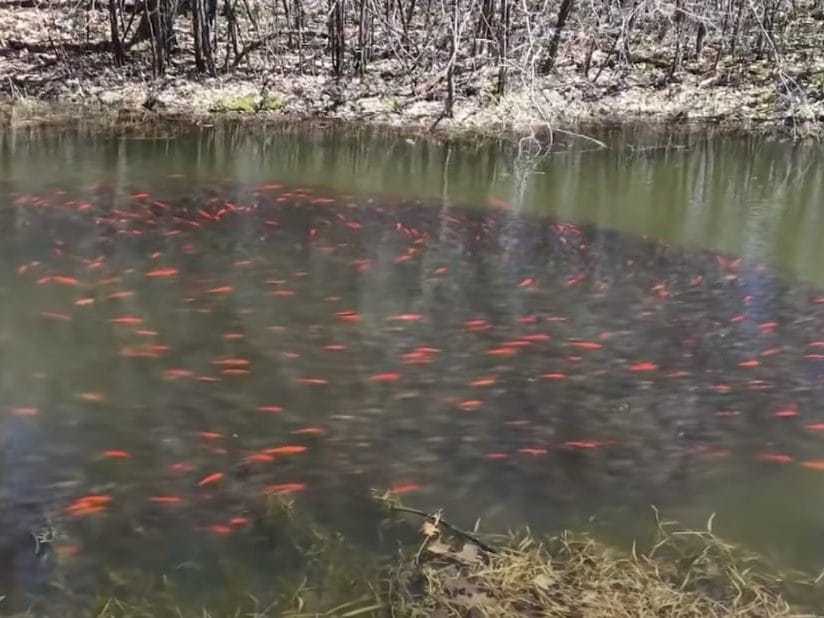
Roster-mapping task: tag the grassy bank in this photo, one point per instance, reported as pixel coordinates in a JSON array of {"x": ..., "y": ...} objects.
[
  {"x": 450, "y": 571},
  {"x": 489, "y": 68}
]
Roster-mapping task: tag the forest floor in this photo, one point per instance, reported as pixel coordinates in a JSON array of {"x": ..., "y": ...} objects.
[{"x": 54, "y": 67}]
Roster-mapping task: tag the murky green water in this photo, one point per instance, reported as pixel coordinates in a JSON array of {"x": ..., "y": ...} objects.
[{"x": 188, "y": 322}]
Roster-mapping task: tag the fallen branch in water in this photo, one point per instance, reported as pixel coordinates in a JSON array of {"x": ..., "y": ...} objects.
[{"x": 393, "y": 504}]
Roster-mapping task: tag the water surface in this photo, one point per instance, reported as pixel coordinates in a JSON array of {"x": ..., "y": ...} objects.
[{"x": 191, "y": 321}]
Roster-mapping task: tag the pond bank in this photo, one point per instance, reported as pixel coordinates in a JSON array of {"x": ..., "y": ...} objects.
[
  {"x": 53, "y": 77},
  {"x": 443, "y": 570}
]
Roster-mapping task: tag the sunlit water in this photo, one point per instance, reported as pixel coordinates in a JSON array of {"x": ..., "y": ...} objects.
[{"x": 189, "y": 322}]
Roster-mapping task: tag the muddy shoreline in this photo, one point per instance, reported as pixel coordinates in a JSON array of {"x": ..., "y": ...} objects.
[
  {"x": 16, "y": 114},
  {"x": 58, "y": 70}
]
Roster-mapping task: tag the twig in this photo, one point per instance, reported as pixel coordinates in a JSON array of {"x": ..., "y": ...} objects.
[{"x": 397, "y": 507}]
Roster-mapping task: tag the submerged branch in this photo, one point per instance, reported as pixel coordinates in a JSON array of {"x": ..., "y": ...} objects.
[{"x": 394, "y": 505}]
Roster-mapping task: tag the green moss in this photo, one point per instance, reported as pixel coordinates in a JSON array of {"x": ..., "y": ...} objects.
[
  {"x": 245, "y": 103},
  {"x": 273, "y": 102},
  {"x": 391, "y": 104},
  {"x": 250, "y": 103}
]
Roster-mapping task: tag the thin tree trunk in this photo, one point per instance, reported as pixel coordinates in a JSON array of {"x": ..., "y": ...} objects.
[
  {"x": 336, "y": 35},
  {"x": 117, "y": 41},
  {"x": 503, "y": 45},
  {"x": 563, "y": 15},
  {"x": 204, "y": 59},
  {"x": 363, "y": 33},
  {"x": 679, "y": 35}
]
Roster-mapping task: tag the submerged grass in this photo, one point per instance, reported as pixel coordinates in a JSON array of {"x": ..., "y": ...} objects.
[{"x": 453, "y": 572}]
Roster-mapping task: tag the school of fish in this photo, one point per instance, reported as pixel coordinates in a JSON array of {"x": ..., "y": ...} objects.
[{"x": 224, "y": 344}]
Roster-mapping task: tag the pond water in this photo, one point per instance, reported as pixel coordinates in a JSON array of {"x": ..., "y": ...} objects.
[{"x": 190, "y": 320}]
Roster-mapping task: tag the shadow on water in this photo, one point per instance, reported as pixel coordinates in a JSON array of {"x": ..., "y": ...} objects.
[{"x": 190, "y": 324}]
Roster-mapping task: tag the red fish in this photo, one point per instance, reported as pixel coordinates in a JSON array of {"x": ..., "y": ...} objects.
[
  {"x": 582, "y": 443},
  {"x": 116, "y": 454},
  {"x": 502, "y": 351},
  {"x": 51, "y": 315},
  {"x": 349, "y": 316},
  {"x": 535, "y": 452},
  {"x": 385, "y": 377},
  {"x": 289, "y": 449},
  {"x": 258, "y": 458},
  {"x": 88, "y": 505},
  {"x": 123, "y": 294},
  {"x": 127, "y": 320},
  {"x": 497, "y": 202},
  {"x": 535, "y": 337},
  {"x": 143, "y": 351},
  {"x": 470, "y": 404},
  {"x": 556, "y": 375},
  {"x": 24, "y": 411},
  {"x": 181, "y": 466},
  {"x": 775, "y": 457},
  {"x": 477, "y": 324},
  {"x": 309, "y": 431},
  {"x": 786, "y": 412},
  {"x": 210, "y": 478},
  {"x": 231, "y": 362},
  {"x": 162, "y": 272},
  {"x": 270, "y": 409},
  {"x": 235, "y": 372},
  {"x": 772, "y": 351},
  {"x": 406, "y": 317},
  {"x": 404, "y": 488},
  {"x": 175, "y": 374},
  {"x": 282, "y": 488},
  {"x": 586, "y": 345},
  {"x": 64, "y": 280},
  {"x": 165, "y": 499},
  {"x": 643, "y": 366}
]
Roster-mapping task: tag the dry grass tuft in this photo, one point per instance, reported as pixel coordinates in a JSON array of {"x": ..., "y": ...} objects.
[{"x": 685, "y": 574}]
